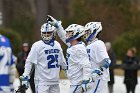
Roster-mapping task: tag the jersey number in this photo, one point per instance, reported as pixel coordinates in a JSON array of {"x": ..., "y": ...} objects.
[{"x": 52, "y": 59}]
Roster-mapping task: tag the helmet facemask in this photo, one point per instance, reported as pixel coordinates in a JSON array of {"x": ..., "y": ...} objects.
[
  {"x": 91, "y": 30},
  {"x": 90, "y": 36},
  {"x": 48, "y": 33},
  {"x": 87, "y": 34},
  {"x": 47, "y": 36},
  {"x": 69, "y": 34}
]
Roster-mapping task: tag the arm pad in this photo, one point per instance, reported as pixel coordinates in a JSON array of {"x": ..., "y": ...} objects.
[{"x": 106, "y": 64}]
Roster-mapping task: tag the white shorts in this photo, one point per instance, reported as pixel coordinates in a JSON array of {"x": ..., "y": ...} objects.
[
  {"x": 75, "y": 89},
  {"x": 47, "y": 89}
]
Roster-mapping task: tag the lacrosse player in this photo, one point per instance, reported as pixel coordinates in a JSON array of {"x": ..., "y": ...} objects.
[
  {"x": 47, "y": 56},
  {"x": 98, "y": 57},
  {"x": 79, "y": 67},
  {"x": 7, "y": 66}
]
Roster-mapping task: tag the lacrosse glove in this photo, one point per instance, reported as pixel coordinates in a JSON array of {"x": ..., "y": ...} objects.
[
  {"x": 24, "y": 81},
  {"x": 52, "y": 21}
]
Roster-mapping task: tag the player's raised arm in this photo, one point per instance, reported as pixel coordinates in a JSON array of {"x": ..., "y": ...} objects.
[{"x": 60, "y": 30}]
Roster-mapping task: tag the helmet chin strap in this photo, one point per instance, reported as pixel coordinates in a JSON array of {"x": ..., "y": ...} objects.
[
  {"x": 49, "y": 42},
  {"x": 71, "y": 38},
  {"x": 91, "y": 37}
]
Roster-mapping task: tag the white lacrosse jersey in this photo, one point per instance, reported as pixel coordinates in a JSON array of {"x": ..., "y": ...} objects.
[
  {"x": 47, "y": 60},
  {"x": 6, "y": 61},
  {"x": 79, "y": 67},
  {"x": 97, "y": 53}
]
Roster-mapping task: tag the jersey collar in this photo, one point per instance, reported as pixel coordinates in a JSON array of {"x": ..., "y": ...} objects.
[
  {"x": 92, "y": 41},
  {"x": 76, "y": 44},
  {"x": 49, "y": 43}
]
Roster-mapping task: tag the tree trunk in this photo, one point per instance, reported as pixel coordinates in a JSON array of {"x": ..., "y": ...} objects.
[
  {"x": 1, "y": 13},
  {"x": 41, "y": 16}
]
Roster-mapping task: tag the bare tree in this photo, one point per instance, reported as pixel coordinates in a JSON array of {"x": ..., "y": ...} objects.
[
  {"x": 41, "y": 15},
  {"x": 1, "y": 12}
]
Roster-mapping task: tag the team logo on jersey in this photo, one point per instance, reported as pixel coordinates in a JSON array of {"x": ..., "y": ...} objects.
[{"x": 50, "y": 51}]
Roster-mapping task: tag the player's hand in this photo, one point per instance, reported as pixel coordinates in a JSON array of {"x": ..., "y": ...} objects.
[
  {"x": 24, "y": 81},
  {"x": 97, "y": 73},
  {"x": 86, "y": 84},
  {"x": 52, "y": 21},
  {"x": 87, "y": 80}
]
